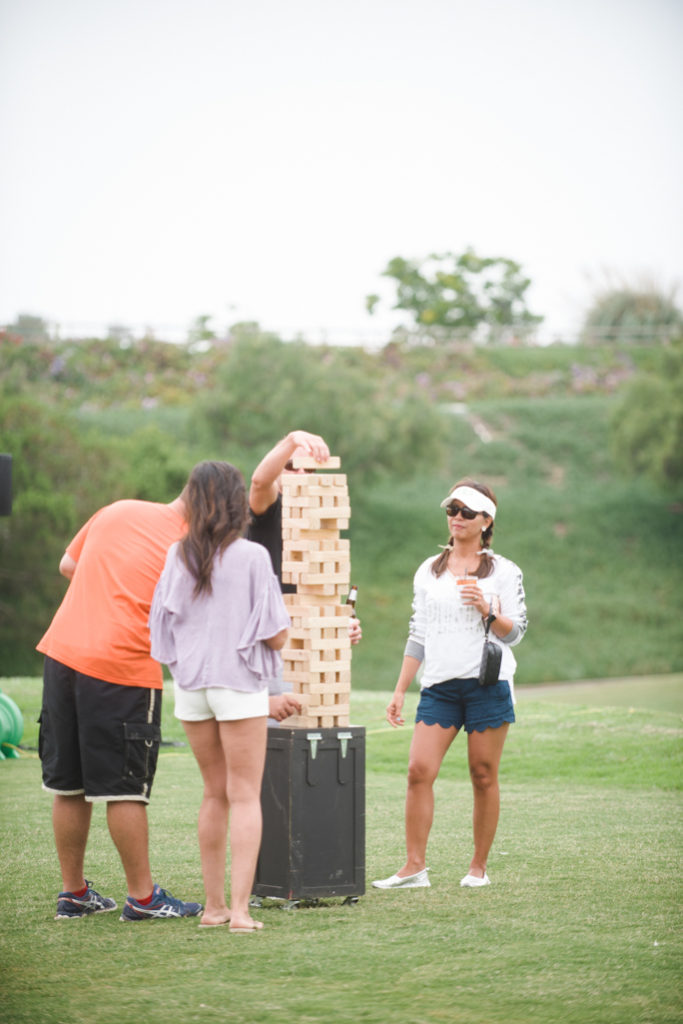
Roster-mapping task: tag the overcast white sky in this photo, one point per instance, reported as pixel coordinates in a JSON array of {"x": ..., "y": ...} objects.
[{"x": 264, "y": 159}]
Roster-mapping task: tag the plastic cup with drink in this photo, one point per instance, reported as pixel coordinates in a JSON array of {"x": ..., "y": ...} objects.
[{"x": 465, "y": 581}]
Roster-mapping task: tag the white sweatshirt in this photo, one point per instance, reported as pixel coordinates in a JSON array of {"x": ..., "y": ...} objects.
[{"x": 450, "y": 634}]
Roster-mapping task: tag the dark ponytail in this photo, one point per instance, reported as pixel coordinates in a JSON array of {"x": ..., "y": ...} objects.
[{"x": 217, "y": 512}]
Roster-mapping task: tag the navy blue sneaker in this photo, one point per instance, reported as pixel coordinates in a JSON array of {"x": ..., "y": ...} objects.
[
  {"x": 69, "y": 905},
  {"x": 162, "y": 904}
]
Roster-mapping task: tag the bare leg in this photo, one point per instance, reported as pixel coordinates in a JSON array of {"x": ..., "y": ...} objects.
[
  {"x": 244, "y": 747},
  {"x": 127, "y": 821},
  {"x": 71, "y": 823},
  {"x": 484, "y": 750},
  {"x": 427, "y": 751},
  {"x": 204, "y": 738}
]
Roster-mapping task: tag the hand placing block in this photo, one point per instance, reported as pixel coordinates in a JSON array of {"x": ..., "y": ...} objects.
[{"x": 317, "y": 657}]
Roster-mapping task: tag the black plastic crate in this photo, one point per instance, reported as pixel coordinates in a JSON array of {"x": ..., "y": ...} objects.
[{"x": 313, "y": 801}]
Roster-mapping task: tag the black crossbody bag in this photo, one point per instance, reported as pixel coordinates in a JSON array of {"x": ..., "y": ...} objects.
[{"x": 490, "y": 656}]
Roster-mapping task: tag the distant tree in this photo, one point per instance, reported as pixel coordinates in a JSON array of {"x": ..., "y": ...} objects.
[
  {"x": 120, "y": 333},
  {"x": 447, "y": 292},
  {"x": 57, "y": 480},
  {"x": 62, "y": 473},
  {"x": 200, "y": 330},
  {"x": 156, "y": 465},
  {"x": 641, "y": 314},
  {"x": 30, "y": 328},
  {"x": 647, "y": 425}
]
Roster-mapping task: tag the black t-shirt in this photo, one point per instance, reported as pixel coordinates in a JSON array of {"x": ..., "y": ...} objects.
[{"x": 266, "y": 530}]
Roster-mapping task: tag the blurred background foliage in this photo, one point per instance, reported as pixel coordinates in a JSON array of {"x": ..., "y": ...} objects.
[
  {"x": 459, "y": 290},
  {"x": 582, "y": 444},
  {"x": 377, "y": 421},
  {"x": 627, "y": 312}
]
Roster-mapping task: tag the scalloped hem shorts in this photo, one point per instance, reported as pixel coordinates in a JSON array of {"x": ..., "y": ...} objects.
[{"x": 459, "y": 702}]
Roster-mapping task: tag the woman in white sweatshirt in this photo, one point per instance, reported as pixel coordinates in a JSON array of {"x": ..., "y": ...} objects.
[{"x": 454, "y": 593}]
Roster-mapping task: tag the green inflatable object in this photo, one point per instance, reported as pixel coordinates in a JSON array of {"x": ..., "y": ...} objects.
[{"x": 11, "y": 727}]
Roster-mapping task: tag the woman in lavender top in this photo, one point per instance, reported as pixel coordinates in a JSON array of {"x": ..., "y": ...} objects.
[{"x": 218, "y": 621}]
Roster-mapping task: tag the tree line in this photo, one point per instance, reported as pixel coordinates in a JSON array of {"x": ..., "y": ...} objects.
[{"x": 87, "y": 422}]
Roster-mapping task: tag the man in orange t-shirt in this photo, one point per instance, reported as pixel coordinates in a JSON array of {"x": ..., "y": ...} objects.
[{"x": 100, "y": 723}]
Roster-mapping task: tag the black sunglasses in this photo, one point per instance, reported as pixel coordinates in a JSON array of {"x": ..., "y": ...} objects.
[{"x": 467, "y": 513}]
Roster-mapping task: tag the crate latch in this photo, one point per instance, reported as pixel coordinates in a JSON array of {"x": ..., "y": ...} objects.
[
  {"x": 345, "y": 764},
  {"x": 344, "y": 738},
  {"x": 312, "y": 772},
  {"x": 313, "y": 740}
]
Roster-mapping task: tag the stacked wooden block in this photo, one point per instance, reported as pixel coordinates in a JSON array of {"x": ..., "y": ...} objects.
[{"x": 317, "y": 658}]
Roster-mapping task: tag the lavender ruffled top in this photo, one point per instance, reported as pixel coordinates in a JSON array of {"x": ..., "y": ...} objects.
[{"x": 217, "y": 639}]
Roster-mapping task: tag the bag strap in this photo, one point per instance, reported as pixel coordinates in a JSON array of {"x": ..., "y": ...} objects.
[{"x": 489, "y": 619}]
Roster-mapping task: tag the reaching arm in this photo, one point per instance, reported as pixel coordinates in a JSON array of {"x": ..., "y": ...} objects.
[
  {"x": 264, "y": 481},
  {"x": 282, "y": 705}
]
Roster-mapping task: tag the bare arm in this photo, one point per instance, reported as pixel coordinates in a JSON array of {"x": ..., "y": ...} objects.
[
  {"x": 472, "y": 595},
  {"x": 277, "y": 642},
  {"x": 282, "y": 705},
  {"x": 407, "y": 674},
  {"x": 264, "y": 481},
  {"x": 67, "y": 566}
]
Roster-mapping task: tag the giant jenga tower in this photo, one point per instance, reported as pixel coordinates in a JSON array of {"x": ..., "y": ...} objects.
[{"x": 317, "y": 658}]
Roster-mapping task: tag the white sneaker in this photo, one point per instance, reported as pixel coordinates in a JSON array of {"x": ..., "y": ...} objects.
[
  {"x": 418, "y": 881},
  {"x": 472, "y": 882}
]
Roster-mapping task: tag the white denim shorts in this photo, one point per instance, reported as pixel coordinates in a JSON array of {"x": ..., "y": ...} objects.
[{"x": 220, "y": 703}]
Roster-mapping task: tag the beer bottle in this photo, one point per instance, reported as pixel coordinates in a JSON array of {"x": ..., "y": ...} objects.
[{"x": 351, "y": 599}]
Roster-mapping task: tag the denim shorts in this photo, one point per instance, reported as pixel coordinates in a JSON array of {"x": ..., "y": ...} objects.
[
  {"x": 96, "y": 738},
  {"x": 459, "y": 702}
]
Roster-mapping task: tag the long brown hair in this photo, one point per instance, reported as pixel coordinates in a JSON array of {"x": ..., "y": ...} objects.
[
  {"x": 217, "y": 512},
  {"x": 485, "y": 567}
]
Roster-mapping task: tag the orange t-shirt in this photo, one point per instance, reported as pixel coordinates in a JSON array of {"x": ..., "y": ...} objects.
[{"x": 100, "y": 628}]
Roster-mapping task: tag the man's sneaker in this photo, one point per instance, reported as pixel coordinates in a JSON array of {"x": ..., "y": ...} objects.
[
  {"x": 162, "y": 904},
  {"x": 69, "y": 905},
  {"x": 418, "y": 881}
]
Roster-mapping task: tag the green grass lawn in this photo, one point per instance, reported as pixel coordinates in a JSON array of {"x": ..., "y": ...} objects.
[{"x": 580, "y": 925}]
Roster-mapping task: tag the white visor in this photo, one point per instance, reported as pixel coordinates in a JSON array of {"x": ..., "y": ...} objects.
[{"x": 473, "y": 498}]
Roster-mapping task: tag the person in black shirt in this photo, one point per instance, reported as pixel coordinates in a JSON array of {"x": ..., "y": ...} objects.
[{"x": 265, "y": 493}]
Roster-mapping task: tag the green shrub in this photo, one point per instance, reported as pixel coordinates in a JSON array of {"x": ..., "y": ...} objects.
[
  {"x": 647, "y": 425},
  {"x": 377, "y": 422}
]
